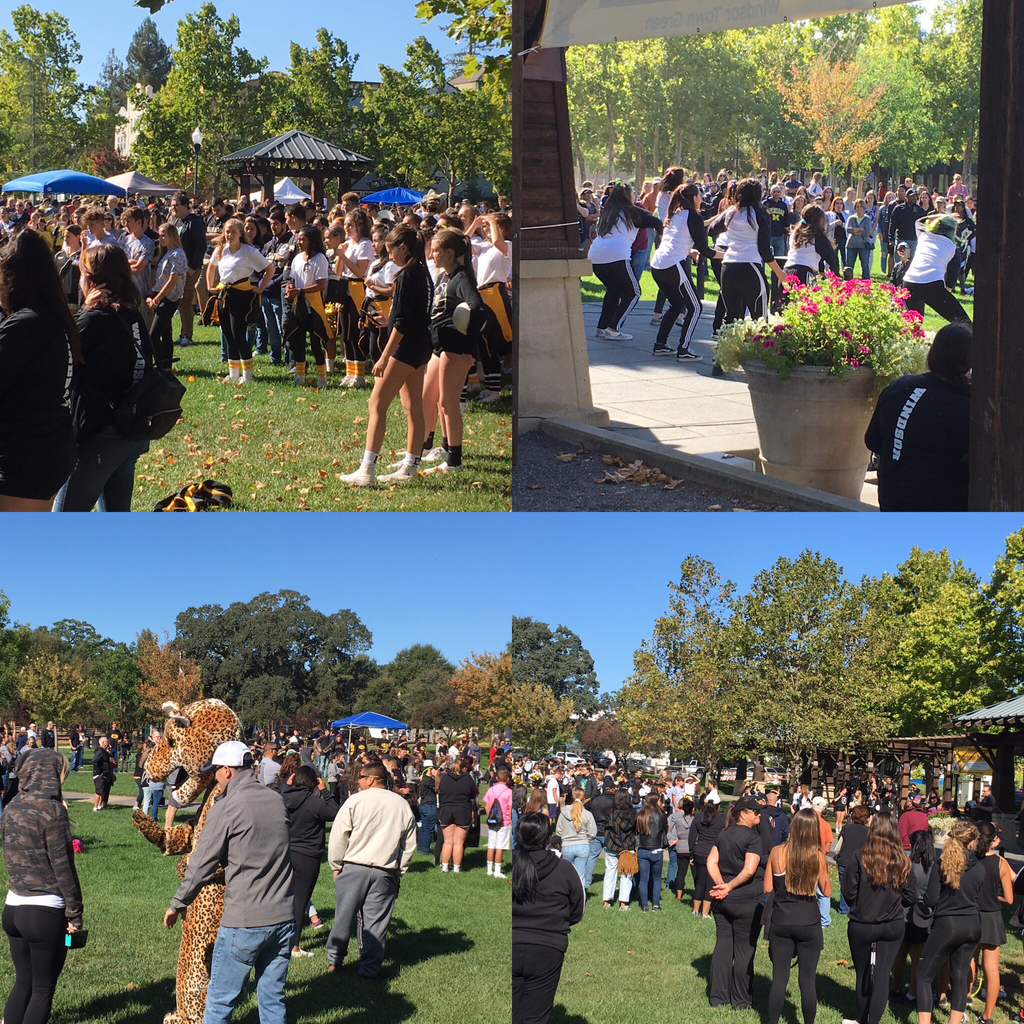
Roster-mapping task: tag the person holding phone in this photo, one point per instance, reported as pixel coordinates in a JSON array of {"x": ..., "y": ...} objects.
[{"x": 43, "y": 907}]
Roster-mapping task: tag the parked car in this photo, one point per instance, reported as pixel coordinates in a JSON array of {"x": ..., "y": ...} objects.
[
  {"x": 642, "y": 763},
  {"x": 598, "y": 760},
  {"x": 567, "y": 757}
]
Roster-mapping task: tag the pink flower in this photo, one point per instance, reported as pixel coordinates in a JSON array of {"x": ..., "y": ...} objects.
[
  {"x": 846, "y": 334},
  {"x": 852, "y": 362},
  {"x": 816, "y": 288},
  {"x": 828, "y": 299},
  {"x": 792, "y": 279},
  {"x": 780, "y": 328},
  {"x": 891, "y": 289},
  {"x": 809, "y": 307},
  {"x": 863, "y": 350},
  {"x": 911, "y": 316},
  {"x": 768, "y": 343}
]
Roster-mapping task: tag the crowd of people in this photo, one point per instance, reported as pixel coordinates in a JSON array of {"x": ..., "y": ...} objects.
[
  {"x": 418, "y": 298},
  {"x": 760, "y": 867},
  {"x": 280, "y": 791},
  {"x": 679, "y": 225}
]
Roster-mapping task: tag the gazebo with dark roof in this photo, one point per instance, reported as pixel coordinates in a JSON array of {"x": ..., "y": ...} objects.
[{"x": 296, "y": 154}]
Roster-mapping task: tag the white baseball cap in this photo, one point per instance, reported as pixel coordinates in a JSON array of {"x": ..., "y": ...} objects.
[{"x": 233, "y": 754}]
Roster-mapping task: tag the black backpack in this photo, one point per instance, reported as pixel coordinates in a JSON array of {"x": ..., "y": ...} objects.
[
  {"x": 152, "y": 405},
  {"x": 495, "y": 818}
]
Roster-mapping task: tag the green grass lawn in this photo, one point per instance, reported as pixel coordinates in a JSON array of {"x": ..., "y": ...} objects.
[
  {"x": 593, "y": 291},
  {"x": 635, "y": 968},
  {"x": 447, "y": 956},
  {"x": 281, "y": 448}
]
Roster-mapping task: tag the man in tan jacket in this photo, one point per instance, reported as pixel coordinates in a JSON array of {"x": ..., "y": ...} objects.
[{"x": 371, "y": 845}]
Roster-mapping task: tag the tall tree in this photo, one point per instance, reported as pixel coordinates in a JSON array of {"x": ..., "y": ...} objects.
[
  {"x": 39, "y": 81},
  {"x": 480, "y": 684},
  {"x": 53, "y": 689},
  {"x": 149, "y": 57},
  {"x": 555, "y": 659},
  {"x": 116, "y": 682},
  {"x": 538, "y": 718},
  {"x": 14, "y": 645},
  {"x": 684, "y": 695},
  {"x": 166, "y": 675},
  {"x": 1004, "y": 613}
]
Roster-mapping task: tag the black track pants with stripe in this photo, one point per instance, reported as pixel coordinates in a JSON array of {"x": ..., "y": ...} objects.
[
  {"x": 744, "y": 288},
  {"x": 677, "y": 287},
  {"x": 621, "y": 294}
]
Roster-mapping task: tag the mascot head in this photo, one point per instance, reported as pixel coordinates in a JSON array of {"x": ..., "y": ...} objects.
[{"x": 191, "y": 735}]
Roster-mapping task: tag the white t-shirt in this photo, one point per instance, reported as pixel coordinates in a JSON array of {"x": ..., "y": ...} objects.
[
  {"x": 676, "y": 242},
  {"x": 307, "y": 271},
  {"x": 235, "y": 267},
  {"x": 492, "y": 267},
  {"x": 553, "y": 790},
  {"x": 385, "y": 276},
  {"x": 614, "y": 247},
  {"x": 356, "y": 251},
  {"x": 661, "y": 205}
]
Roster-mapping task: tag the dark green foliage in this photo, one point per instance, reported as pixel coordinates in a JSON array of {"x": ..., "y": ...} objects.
[{"x": 556, "y": 659}]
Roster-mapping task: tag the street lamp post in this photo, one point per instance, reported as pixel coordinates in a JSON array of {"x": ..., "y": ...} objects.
[{"x": 197, "y": 144}]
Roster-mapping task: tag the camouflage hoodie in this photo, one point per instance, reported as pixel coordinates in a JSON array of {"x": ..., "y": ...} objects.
[{"x": 36, "y": 835}]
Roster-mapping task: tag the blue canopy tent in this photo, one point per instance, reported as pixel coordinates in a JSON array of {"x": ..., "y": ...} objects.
[
  {"x": 65, "y": 181},
  {"x": 394, "y": 196},
  {"x": 367, "y": 720}
]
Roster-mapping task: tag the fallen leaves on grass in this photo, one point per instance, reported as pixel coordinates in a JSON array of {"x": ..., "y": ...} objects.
[{"x": 634, "y": 472}]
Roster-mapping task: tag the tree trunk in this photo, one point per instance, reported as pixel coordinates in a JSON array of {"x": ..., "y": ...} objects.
[
  {"x": 581, "y": 165},
  {"x": 968, "y": 159},
  {"x": 707, "y": 157},
  {"x": 655, "y": 166},
  {"x": 677, "y": 153},
  {"x": 638, "y": 160},
  {"x": 611, "y": 144}
]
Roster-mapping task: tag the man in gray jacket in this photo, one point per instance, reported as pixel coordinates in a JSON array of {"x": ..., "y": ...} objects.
[{"x": 246, "y": 830}]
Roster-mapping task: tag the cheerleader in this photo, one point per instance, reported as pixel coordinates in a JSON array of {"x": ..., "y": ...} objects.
[
  {"x": 304, "y": 305},
  {"x": 402, "y": 364},
  {"x": 493, "y": 269},
  {"x": 749, "y": 227},
  {"x": 809, "y": 246},
  {"x": 670, "y": 267},
  {"x": 380, "y": 286},
  {"x": 610, "y": 252},
  {"x": 351, "y": 264},
  {"x": 238, "y": 302},
  {"x": 455, "y": 343}
]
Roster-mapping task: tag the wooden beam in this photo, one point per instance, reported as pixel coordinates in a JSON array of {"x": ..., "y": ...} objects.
[{"x": 997, "y": 412}]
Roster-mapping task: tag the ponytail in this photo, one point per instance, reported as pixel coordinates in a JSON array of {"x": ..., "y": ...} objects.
[
  {"x": 577, "y": 809},
  {"x": 455, "y": 241},
  {"x": 953, "y": 861}
]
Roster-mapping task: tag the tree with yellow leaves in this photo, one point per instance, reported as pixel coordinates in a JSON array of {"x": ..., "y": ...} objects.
[
  {"x": 481, "y": 685},
  {"x": 53, "y": 689},
  {"x": 166, "y": 675},
  {"x": 834, "y": 111}
]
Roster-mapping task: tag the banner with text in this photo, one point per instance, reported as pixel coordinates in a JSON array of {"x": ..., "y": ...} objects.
[{"x": 578, "y": 22}]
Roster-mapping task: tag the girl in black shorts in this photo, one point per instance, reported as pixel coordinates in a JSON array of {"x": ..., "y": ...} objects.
[
  {"x": 456, "y": 341},
  {"x": 403, "y": 362},
  {"x": 457, "y": 796},
  {"x": 38, "y": 343}
]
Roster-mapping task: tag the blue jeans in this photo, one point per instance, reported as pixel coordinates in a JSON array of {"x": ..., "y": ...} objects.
[
  {"x": 779, "y": 246},
  {"x": 673, "y": 868},
  {"x": 865, "y": 261},
  {"x": 236, "y": 952},
  {"x": 650, "y": 876},
  {"x": 153, "y": 797},
  {"x": 596, "y": 846},
  {"x": 640, "y": 262},
  {"x": 844, "y": 907},
  {"x": 272, "y": 318},
  {"x": 515, "y": 821},
  {"x": 577, "y": 855},
  {"x": 104, "y": 475},
  {"x": 824, "y": 909},
  {"x": 76, "y": 759},
  {"x": 428, "y": 815}
]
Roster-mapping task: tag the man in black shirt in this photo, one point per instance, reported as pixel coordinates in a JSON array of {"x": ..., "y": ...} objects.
[
  {"x": 280, "y": 250},
  {"x": 601, "y": 808},
  {"x": 192, "y": 233},
  {"x": 903, "y": 217},
  {"x": 986, "y": 805}
]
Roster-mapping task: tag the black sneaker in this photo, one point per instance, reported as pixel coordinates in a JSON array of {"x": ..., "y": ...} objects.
[
  {"x": 661, "y": 350},
  {"x": 716, "y": 370},
  {"x": 684, "y": 355}
]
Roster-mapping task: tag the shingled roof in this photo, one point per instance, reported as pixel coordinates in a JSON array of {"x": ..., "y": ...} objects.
[
  {"x": 297, "y": 147},
  {"x": 1006, "y": 712}
]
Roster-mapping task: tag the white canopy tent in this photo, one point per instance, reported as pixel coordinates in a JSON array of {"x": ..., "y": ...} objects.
[{"x": 285, "y": 191}]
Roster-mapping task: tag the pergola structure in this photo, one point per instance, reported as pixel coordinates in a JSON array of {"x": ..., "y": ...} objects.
[
  {"x": 1000, "y": 748},
  {"x": 295, "y": 154}
]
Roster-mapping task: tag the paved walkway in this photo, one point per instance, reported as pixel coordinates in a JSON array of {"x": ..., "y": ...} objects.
[{"x": 680, "y": 405}]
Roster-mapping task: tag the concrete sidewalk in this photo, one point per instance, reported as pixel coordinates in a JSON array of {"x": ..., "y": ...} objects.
[{"x": 678, "y": 405}]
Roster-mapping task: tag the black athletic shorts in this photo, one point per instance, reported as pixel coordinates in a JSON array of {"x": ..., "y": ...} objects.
[
  {"x": 454, "y": 815},
  {"x": 101, "y": 786},
  {"x": 412, "y": 352}
]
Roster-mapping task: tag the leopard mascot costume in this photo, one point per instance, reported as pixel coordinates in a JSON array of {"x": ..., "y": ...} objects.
[{"x": 190, "y": 737}]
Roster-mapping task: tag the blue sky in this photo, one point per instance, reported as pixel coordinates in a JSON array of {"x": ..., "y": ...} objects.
[
  {"x": 124, "y": 574},
  {"x": 267, "y": 29},
  {"x": 605, "y": 576}
]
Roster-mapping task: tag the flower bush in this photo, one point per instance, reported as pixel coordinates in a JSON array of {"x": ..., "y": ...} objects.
[
  {"x": 843, "y": 325},
  {"x": 940, "y": 821}
]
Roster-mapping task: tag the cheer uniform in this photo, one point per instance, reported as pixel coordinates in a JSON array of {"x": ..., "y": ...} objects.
[
  {"x": 805, "y": 261},
  {"x": 451, "y": 292},
  {"x": 410, "y": 315},
  {"x": 743, "y": 284},
  {"x": 383, "y": 274},
  {"x": 237, "y": 301},
  {"x": 670, "y": 268},
  {"x": 610, "y": 255},
  {"x": 305, "y": 314},
  {"x": 352, "y": 299},
  {"x": 493, "y": 270}
]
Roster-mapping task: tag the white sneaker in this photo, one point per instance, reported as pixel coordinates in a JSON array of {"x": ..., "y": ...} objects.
[
  {"x": 349, "y": 381},
  {"x": 392, "y": 465},
  {"x": 443, "y": 467},
  {"x": 364, "y": 476},
  {"x": 434, "y": 454},
  {"x": 296, "y": 953},
  {"x": 600, "y": 332},
  {"x": 406, "y": 471},
  {"x": 617, "y": 336}
]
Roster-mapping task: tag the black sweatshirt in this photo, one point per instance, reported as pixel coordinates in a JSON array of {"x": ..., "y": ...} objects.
[
  {"x": 920, "y": 432},
  {"x": 448, "y": 295},
  {"x": 699, "y": 234},
  {"x": 962, "y": 902},
  {"x": 557, "y": 904},
  {"x": 854, "y": 837},
  {"x": 871, "y": 904},
  {"x": 704, "y": 836},
  {"x": 410, "y": 305},
  {"x": 657, "y": 825},
  {"x": 308, "y": 815}
]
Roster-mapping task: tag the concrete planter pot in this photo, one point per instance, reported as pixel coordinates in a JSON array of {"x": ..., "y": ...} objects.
[{"x": 811, "y": 425}]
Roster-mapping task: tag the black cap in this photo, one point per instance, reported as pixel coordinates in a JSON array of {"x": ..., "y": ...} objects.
[{"x": 747, "y": 803}]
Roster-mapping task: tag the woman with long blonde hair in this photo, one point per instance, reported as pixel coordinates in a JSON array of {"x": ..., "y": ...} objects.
[
  {"x": 795, "y": 872},
  {"x": 951, "y": 899},
  {"x": 576, "y": 828},
  {"x": 878, "y": 884}
]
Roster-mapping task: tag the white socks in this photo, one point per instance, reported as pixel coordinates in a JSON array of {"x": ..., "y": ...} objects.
[
  {"x": 444, "y": 867},
  {"x": 490, "y": 867},
  {"x": 369, "y": 459},
  {"x": 455, "y": 868}
]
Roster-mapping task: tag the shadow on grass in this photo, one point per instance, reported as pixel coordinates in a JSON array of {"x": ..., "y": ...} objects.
[
  {"x": 143, "y": 1004},
  {"x": 559, "y": 1015}
]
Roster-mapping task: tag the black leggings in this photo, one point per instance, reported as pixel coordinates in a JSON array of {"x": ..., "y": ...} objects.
[
  {"x": 298, "y": 320},
  {"x": 956, "y": 938},
  {"x": 234, "y": 309},
  {"x": 160, "y": 334},
  {"x": 305, "y": 871},
  {"x": 743, "y": 288},
  {"x": 621, "y": 293},
  {"x": 934, "y": 294},
  {"x": 732, "y": 963},
  {"x": 872, "y": 995},
  {"x": 805, "y": 274},
  {"x": 675, "y": 283},
  {"x": 701, "y": 879},
  {"x": 36, "y": 935},
  {"x": 786, "y": 942},
  {"x": 535, "y": 974}
]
